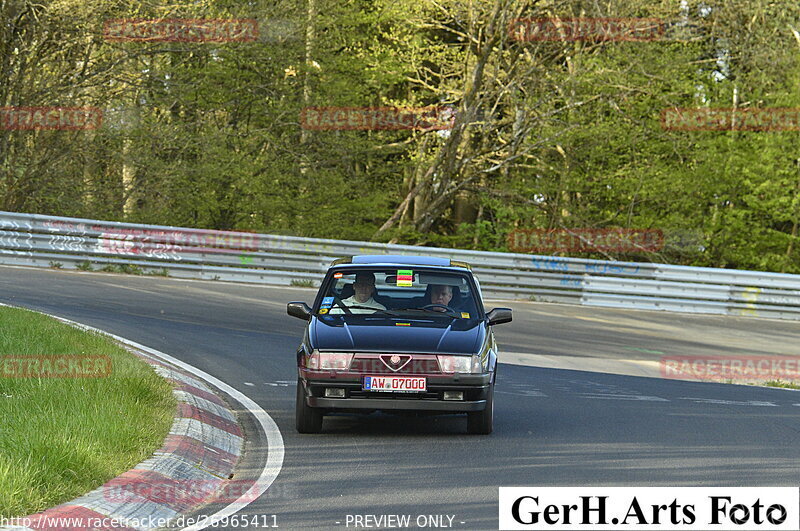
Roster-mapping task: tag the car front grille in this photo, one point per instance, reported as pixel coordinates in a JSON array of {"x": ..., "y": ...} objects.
[
  {"x": 406, "y": 364},
  {"x": 394, "y": 396}
]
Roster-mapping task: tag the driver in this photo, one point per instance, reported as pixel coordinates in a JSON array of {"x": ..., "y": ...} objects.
[
  {"x": 361, "y": 301},
  {"x": 441, "y": 294}
]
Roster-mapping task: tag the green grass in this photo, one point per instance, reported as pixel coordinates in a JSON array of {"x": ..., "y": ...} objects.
[
  {"x": 302, "y": 283},
  {"x": 127, "y": 269},
  {"x": 159, "y": 272},
  {"x": 63, "y": 437},
  {"x": 780, "y": 383}
]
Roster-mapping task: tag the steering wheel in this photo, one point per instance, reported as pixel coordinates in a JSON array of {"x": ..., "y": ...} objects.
[{"x": 447, "y": 308}]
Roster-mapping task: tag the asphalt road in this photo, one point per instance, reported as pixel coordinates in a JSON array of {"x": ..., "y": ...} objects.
[{"x": 552, "y": 426}]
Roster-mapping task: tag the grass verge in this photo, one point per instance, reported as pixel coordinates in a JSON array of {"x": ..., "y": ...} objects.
[
  {"x": 781, "y": 383},
  {"x": 63, "y": 437}
]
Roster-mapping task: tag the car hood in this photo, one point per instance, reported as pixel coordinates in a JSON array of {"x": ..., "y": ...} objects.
[{"x": 456, "y": 336}]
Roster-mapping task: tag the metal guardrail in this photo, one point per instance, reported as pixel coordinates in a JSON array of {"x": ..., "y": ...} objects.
[{"x": 50, "y": 241}]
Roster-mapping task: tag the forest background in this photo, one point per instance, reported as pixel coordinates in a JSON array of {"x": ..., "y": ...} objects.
[{"x": 547, "y": 133}]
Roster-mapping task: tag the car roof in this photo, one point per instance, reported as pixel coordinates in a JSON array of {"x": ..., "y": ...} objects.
[{"x": 398, "y": 259}]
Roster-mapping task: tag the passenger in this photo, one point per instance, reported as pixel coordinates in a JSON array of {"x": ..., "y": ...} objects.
[
  {"x": 361, "y": 301},
  {"x": 441, "y": 294}
]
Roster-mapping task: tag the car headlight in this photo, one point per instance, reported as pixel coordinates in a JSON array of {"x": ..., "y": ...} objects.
[
  {"x": 337, "y": 361},
  {"x": 460, "y": 364}
]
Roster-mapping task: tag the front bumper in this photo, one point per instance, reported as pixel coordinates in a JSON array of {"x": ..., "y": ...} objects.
[{"x": 474, "y": 386}]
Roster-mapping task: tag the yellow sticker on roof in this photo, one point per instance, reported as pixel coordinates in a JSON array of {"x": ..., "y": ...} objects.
[{"x": 405, "y": 278}]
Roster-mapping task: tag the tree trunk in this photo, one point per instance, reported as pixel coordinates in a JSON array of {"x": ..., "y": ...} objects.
[
  {"x": 128, "y": 175},
  {"x": 449, "y": 161},
  {"x": 311, "y": 15}
]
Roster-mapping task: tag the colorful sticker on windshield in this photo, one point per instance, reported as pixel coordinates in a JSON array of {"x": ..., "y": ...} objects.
[
  {"x": 405, "y": 278},
  {"x": 338, "y": 275},
  {"x": 402, "y": 324},
  {"x": 464, "y": 315},
  {"x": 323, "y": 311},
  {"x": 327, "y": 302}
]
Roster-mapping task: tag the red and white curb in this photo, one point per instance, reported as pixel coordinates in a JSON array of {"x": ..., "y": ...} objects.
[{"x": 192, "y": 468}]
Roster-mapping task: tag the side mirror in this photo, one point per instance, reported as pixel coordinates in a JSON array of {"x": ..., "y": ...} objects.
[
  {"x": 499, "y": 316},
  {"x": 299, "y": 310}
]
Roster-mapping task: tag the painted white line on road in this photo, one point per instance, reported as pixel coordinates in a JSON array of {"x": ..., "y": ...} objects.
[
  {"x": 623, "y": 397},
  {"x": 729, "y": 402},
  {"x": 275, "y": 448},
  {"x": 523, "y": 393}
]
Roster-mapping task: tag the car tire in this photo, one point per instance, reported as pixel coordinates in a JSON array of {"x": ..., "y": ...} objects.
[
  {"x": 481, "y": 422},
  {"x": 307, "y": 419}
]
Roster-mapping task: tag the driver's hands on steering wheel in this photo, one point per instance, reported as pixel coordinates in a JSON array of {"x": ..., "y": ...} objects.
[{"x": 439, "y": 308}]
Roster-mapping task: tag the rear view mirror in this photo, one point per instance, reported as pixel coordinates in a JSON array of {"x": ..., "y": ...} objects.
[
  {"x": 299, "y": 310},
  {"x": 499, "y": 316}
]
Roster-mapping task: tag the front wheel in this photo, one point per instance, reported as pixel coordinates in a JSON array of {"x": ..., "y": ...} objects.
[
  {"x": 307, "y": 419},
  {"x": 480, "y": 422}
]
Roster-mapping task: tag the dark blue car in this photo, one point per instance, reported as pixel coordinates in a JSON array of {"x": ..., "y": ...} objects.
[{"x": 397, "y": 333}]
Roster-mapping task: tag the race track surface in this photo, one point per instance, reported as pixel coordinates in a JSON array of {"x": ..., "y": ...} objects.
[{"x": 552, "y": 426}]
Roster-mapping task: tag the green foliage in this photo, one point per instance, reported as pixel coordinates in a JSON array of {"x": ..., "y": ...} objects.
[
  {"x": 782, "y": 384},
  {"x": 125, "y": 269},
  {"x": 563, "y": 134}
]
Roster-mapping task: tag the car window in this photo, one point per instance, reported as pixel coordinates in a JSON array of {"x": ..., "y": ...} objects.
[{"x": 401, "y": 291}]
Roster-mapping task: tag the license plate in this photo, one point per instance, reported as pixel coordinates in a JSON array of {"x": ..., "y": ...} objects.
[{"x": 395, "y": 384}]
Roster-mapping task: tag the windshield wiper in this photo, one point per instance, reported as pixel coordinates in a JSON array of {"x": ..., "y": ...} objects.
[{"x": 453, "y": 314}]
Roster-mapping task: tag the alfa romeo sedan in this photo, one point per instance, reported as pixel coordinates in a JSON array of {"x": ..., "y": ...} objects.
[{"x": 396, "y": 334}]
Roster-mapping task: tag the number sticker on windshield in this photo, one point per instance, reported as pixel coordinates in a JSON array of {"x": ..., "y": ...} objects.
[{"x": 405, "y": 278}]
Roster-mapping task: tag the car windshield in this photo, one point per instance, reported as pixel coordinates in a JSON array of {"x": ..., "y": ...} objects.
[{"x": 401, "y": 292}]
